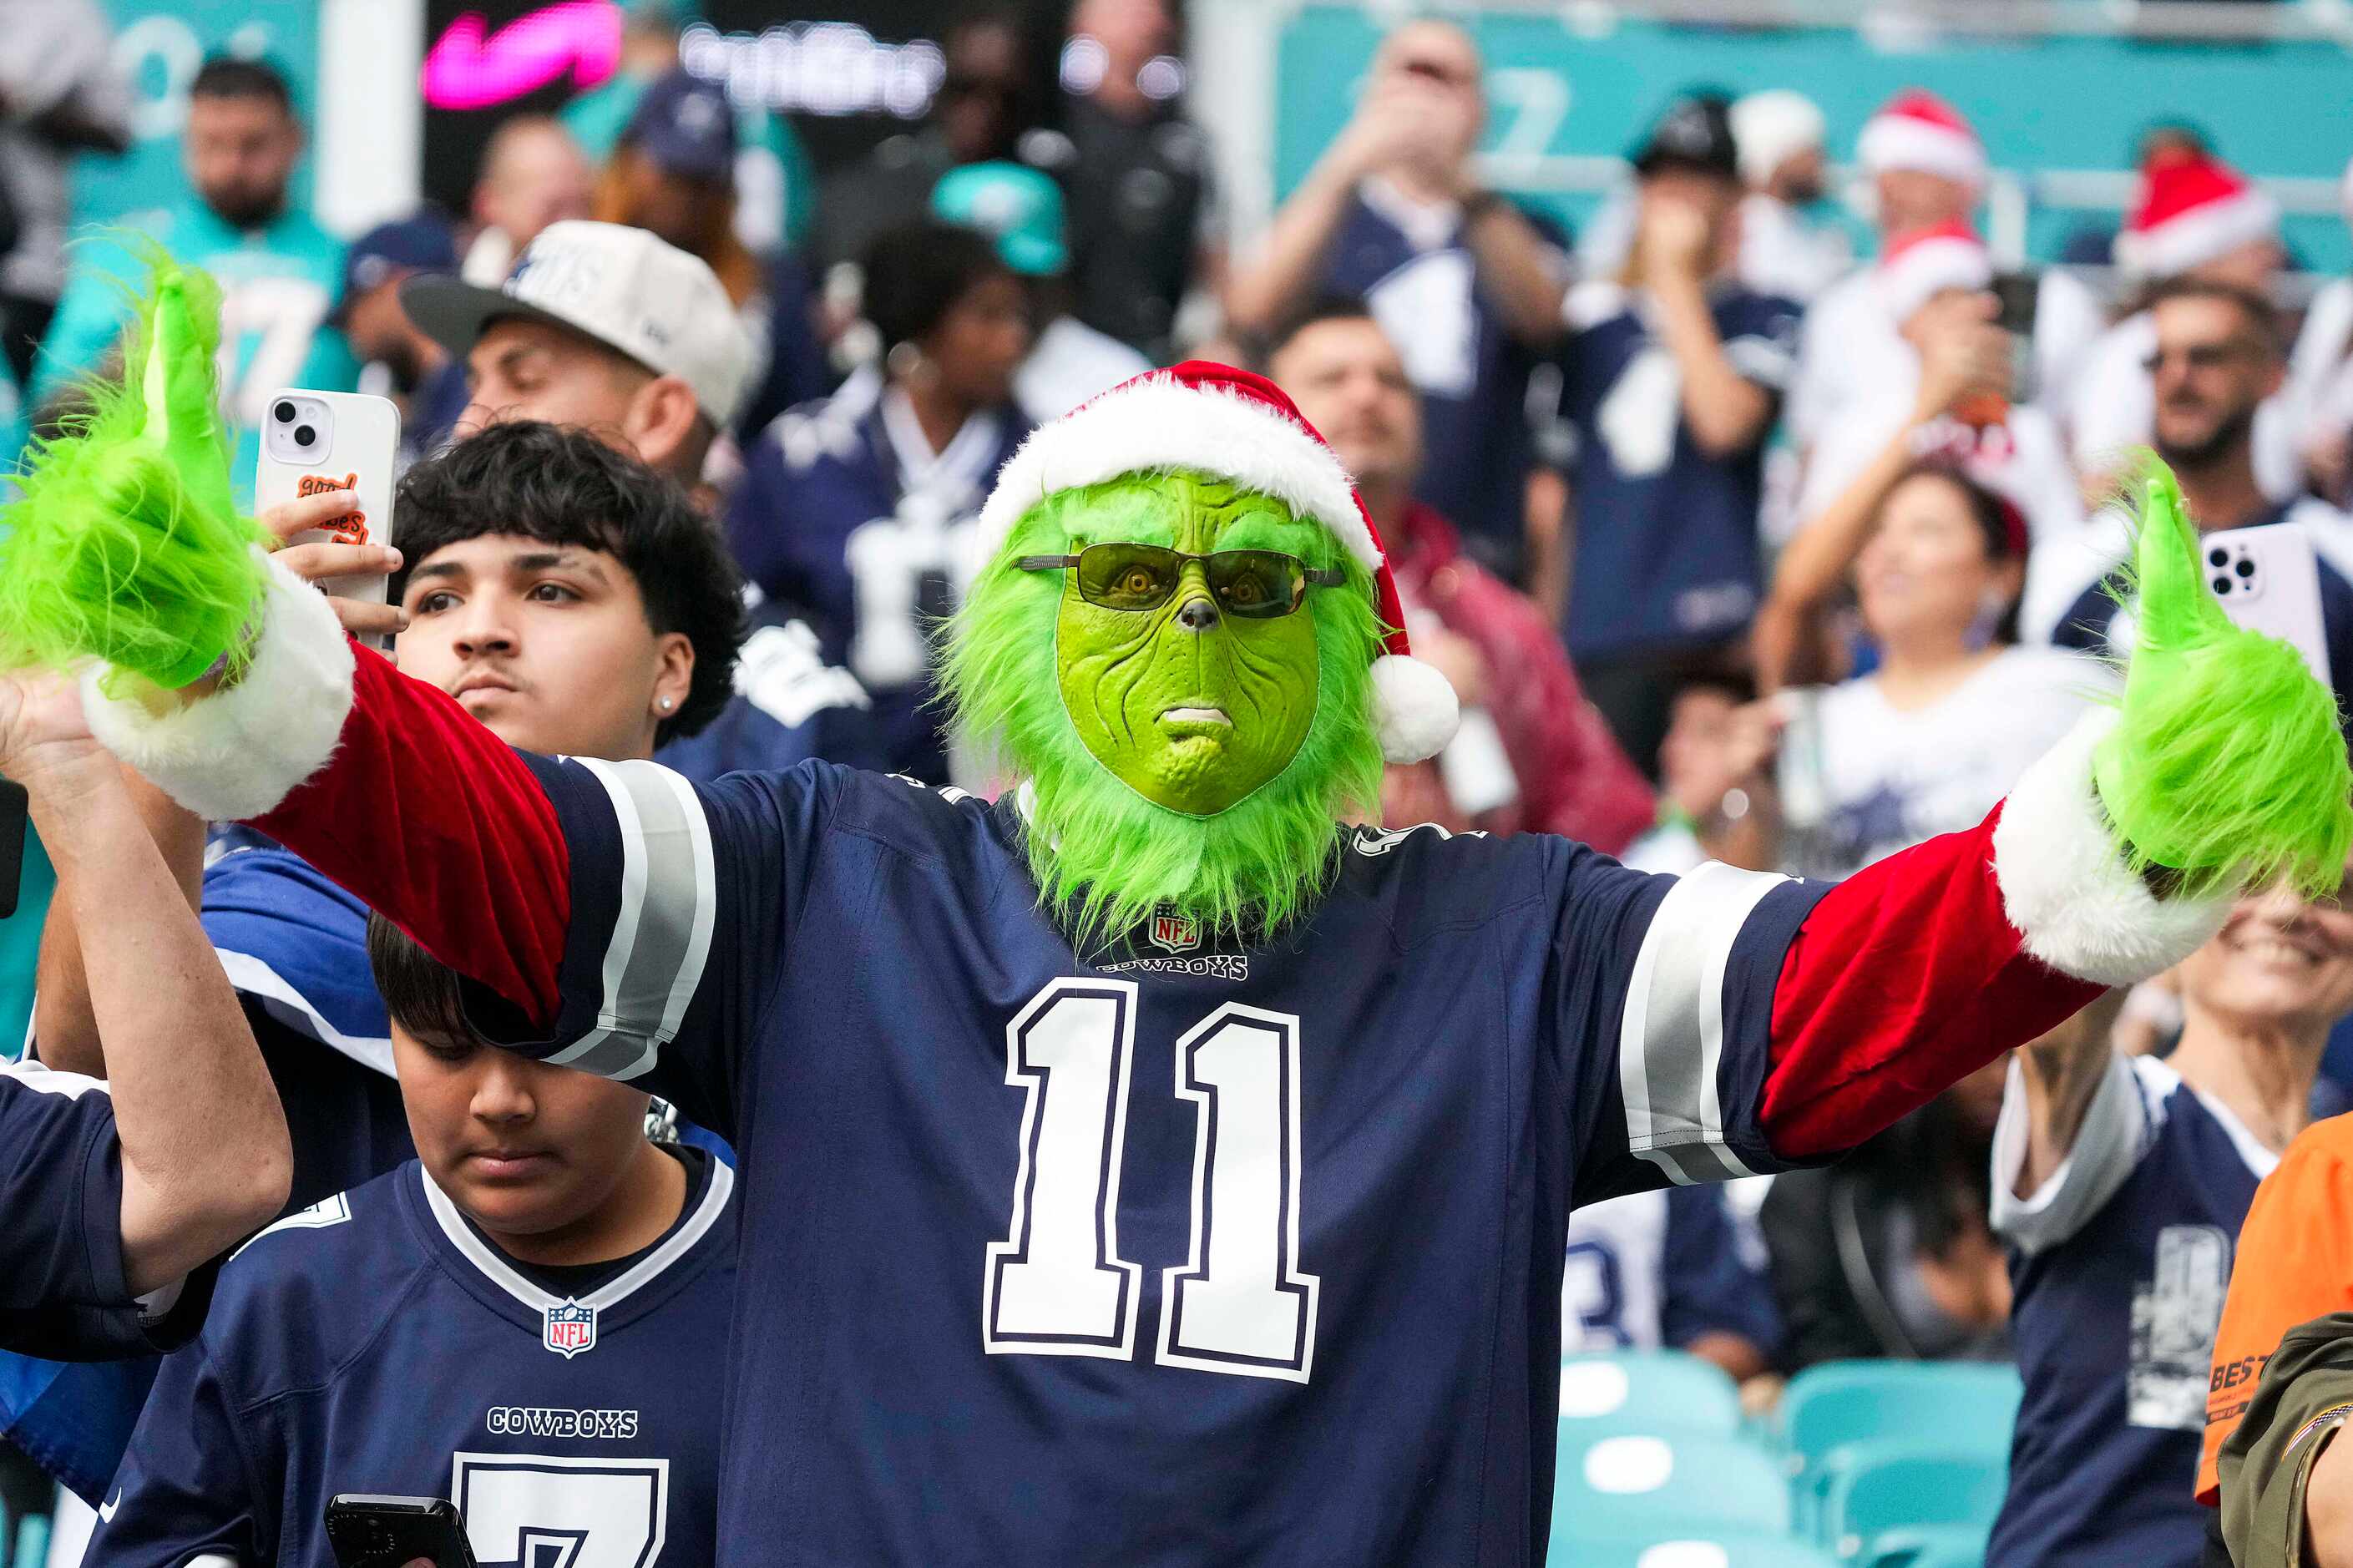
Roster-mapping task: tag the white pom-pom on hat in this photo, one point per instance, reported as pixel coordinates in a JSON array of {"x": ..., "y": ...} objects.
[{"x": 1214, "y": 419}]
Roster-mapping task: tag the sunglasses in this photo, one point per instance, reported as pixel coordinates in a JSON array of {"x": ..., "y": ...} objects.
[{"x": 1255, "y": 584}]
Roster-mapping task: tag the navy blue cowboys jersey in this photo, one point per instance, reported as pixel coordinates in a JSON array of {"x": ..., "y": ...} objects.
[
  {"x": 848, "y": 519},
  {"x": 63, "y": 1294},
  {"x": 1654, "y": 1269},
  {"x": 1667, "y": 553},
  {"x": 2119, "y": 1266},
  {"x": 377, "y": 1342},
  {"x": 1169, "y": 1254}
]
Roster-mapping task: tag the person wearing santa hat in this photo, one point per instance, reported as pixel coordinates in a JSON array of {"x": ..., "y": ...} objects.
[
  {"x": 1783, "y": 251},
  {"x": 1927, "y": 169},
  {"x": 2196, "y": 218},
  {"x": 1109, "y": 1150},
  {"x": 1935, "y": 282}
]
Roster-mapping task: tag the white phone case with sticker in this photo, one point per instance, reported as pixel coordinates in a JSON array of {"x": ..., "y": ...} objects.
[
  {"x": 2268, "y": 580},
  {"x": 314, "y": 441}
]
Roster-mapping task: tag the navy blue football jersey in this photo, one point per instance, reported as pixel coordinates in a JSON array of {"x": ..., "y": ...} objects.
[
  {"x": 2119, "y": 1267},
  {"x": 1667, "y": 552},
  {"x": 789, "y": 706},
  {"x": 1477, "y": 434},
  {"x": 1653, "y": 1270},
  {"x": 63, "y": 1294},
  {"x": 1169, "y": 1253},
  {"x": 377, "y": 1343},
  {"x": 845, "y": 516}
]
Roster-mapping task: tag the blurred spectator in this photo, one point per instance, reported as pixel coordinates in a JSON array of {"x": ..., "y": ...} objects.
[
  {"x": 854, "y": 511},
  {"x": 2120, "y": 1184},
  {"x": 540, "y": 1271},
  {"x": 1676, "y": 1268},
  {"x": 1532, "y": 752},
  {"x": 2198, "y": 220},
  {"x": 61, "y": 94},
  {"x": 1145, "y": 232},
  {"x": 982, "y": 109},
  {"x": 775, "y": 189},
  {"x": 601, "y": 326},
  {"x": 533, "y": 175},
  {"x": 2164, "y": 141},
  {"x": 1888, "y": 1252},
  {"x": 1954, "y": 407},
  {"x": 1782, "y": 250},
  {"x": 277, "y": 270},
  {"x": 1934, "y": 737},
  {"x": 1466, "y": 284},
  {"x": 673, "y": 175},
  {"x": 396, "y": 360},
  {"x": 1716, "y": 782},
  {"x": 1673, "y": 374},
  {"x": 2216, "y": 365},
  {"x": 1927, "y": 169},
  {"x": 1021, "y": 209},
  {"x": 610, "y": 331},
  {"x": 2320, "y": 379}
]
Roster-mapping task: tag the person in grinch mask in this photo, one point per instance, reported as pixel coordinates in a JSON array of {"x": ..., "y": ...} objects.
[{"x": 1144, "y": 1167}]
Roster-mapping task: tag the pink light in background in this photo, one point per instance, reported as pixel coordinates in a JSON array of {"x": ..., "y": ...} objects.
[{"x": 464, "y": 69}]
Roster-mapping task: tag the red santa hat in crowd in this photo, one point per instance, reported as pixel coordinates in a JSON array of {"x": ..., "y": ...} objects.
[
  {"x": 1922, "y": 264},
  {"x": 2193, "y": 210},
  {"x": 1916, "y": 129},
  {"x": 1213, "y": 419}
]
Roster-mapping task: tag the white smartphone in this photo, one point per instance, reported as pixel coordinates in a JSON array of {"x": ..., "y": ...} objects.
[
  {"x": 315, "y": 441},
  {"x": 2268, "y": 580}
]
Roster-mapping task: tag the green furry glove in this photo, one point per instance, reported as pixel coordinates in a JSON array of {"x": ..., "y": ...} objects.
[
  {"x": 2226, "y": 765},
  {"x": 125, "y": 546}
]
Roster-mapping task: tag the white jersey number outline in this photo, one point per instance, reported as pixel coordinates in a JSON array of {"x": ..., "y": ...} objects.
[
  {"x": 1058, "y": 1284},
  {"x": 546, "y": 1511}
]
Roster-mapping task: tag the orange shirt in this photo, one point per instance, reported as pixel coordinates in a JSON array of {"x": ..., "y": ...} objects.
[{"x": 2294, "y": 1262}]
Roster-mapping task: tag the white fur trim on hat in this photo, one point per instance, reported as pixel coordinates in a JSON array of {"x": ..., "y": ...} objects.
[
  {"x": 2195, "y": 237},
  {"x": 1904, "y": 141},
  {"x": 1159, "y": 424},
  {"x": 1415, "y": 710},
  {"x": 1919, "y": 272},
  {"x": 1772, "y": 127},
  {"x": 237, "y": 753},
  {"x": 2066, "y": 889}
]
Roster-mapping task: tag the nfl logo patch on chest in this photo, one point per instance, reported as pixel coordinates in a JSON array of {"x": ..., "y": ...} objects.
[
  {"x": 570, "y": 1329},
  {"x": 1173, "y": 934}
]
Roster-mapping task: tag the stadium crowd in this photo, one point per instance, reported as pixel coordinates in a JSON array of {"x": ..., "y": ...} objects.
[{"x": 1734, "y": 548}]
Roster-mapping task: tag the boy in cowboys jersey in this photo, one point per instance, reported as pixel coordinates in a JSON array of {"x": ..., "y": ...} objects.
[
  {"x": 520, "y": 1320},
  {"x": 1063, "y": 1256}
]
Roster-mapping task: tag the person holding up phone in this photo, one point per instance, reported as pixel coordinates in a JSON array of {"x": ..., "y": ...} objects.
[
  {"x": 117, "y": 1199},
  {"x": 522, "y": 1317}
]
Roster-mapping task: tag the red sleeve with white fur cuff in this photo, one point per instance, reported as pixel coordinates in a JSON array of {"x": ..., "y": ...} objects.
[
  {"x": 1921, "y": 968},
  {"x": 241, "y": 751}
]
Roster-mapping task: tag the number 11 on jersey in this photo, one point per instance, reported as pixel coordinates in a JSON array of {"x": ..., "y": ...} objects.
[{"x": 1058, "y": 1284}]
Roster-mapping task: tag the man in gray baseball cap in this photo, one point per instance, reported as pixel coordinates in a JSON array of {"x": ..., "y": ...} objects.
[{"x": 600, "y": 326}]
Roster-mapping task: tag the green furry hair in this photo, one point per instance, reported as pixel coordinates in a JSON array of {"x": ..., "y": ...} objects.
[
  {"x": 1103, "y": 856},
  {"x": 2227, "y": 763},
  {"x": 124, "y": 543}
]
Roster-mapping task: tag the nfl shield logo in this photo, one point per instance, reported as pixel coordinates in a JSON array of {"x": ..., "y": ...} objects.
[
  {"x": 571, "y": 1329},
  {"x": 1172, "y": 932}
]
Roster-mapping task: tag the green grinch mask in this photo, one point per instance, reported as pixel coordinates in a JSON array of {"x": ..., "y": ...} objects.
[
  {"x": 1172, "y": 757},
  {"x": 1190, "y": 705}
]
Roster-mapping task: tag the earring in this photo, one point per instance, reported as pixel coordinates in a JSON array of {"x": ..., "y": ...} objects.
[{"x": 666, "y": 705}]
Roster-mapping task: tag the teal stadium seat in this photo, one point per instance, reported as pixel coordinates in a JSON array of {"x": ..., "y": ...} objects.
[
  {"x": 1928, "y": 1546},
  {"x": 1830, "y": 1409},
  {"x": 1645, "y": 1391},
  {"x": 1703, "y": 1550},
  {"x": 1903, "y": 1486},
  {"x": 1637, "y": 1486}
]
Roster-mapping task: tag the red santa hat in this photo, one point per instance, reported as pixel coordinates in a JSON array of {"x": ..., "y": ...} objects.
[
  {"x": 1213, "y": 419},
  {"x": 1918, "y": 130},
  {"x": 1924, "y": 263},
  {"x": 2191, "y": 211}
]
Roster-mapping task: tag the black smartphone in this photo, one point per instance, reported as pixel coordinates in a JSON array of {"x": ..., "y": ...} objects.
[
  {"x": 16, "y": 821},
  {"x": 2015, "y": 294},
  {"x": 371, "y": 1532}
]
